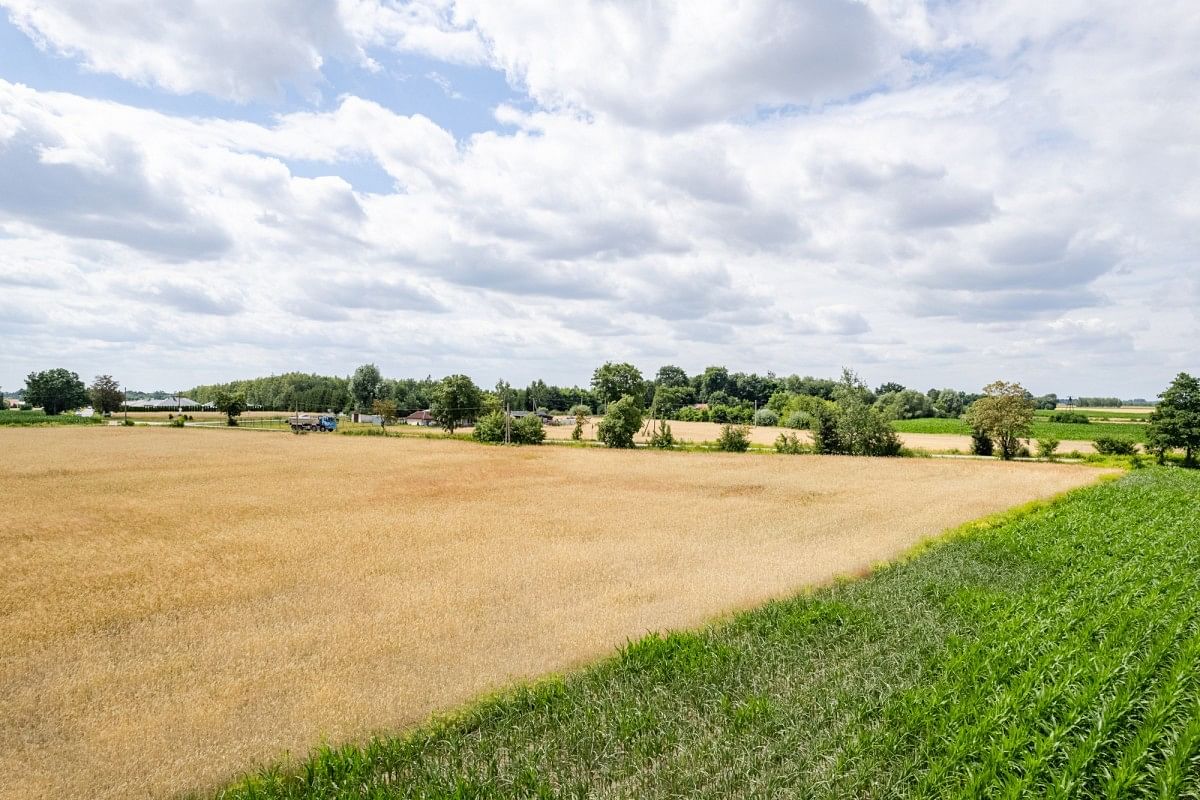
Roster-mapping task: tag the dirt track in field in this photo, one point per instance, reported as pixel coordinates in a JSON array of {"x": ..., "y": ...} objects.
[{"x": 179, "y": 606}]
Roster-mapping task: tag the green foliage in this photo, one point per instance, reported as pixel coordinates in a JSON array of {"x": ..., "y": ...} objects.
[
  {"x": 231, "y": 404},
  {"x": 292, "y": 391},
  {"x": 904, "y": 404},
  {"x": 767, "y": 417},
  {"x": 456, "y": 400},
  {"x": 1045, "y": 654},
  {"x": 105, "y": 394},
  {"x": 385, "y": 410},
  {"x": 851, "y": 425},
  {"x": 1047, "y": 448},
  {"x": 737, "y": 415},
  {"x": 37, "y": 419},
  {"x": 799, "y": 420},
  {"x": 580, "y": 410},
  {"x": 581, "y": 419},
  {"x": 127, "y": 423},
  {"x": 621, "y": 422},
  {"x": 366, "y": 386},
  {"x": 55, "y": 390},
  {"x": 179, "y": 422},
  {"x": 671, "y": 376},
  {"x": 734, "y": 439},
  {"x": 612, "y": 381},
  {"x": 981, "y": 443},
  {"x": 1108, "y": 446},
  {"x": 527, "y": 430},
  {"x": 490, "y": 427},
  {"x": 790, "y": 444},
  {"x": 1070, "y": 418},
  {"x": 661, "y": 436},
  {"x": 1005, "y": 413},
  {"x": 669, "y": 399},
  {"x": 1175, "y": 422}
]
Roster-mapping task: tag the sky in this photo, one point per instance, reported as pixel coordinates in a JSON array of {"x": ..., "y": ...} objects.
[{"x": 931, "y": 192}]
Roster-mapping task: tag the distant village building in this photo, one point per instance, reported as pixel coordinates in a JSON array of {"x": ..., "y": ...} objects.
[{"x": 422, "y": 418}]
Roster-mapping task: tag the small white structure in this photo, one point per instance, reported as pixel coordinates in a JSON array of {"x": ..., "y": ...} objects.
[{"x": 421, "y": 418}]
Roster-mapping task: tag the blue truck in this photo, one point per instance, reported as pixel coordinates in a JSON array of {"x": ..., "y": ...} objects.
[{"x": 313, "y": 422}]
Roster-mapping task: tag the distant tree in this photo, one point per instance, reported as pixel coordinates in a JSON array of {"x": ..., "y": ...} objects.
[
  {"x": 904, "y": 404},
  {"x": 366, "y": 386},
  {"x": 581, "y": 417},
  {"x": 1047, "y": 402},
  {"x": 622, "y": 420},
  {"x": 55, "y": 390},
  {"x": 671, "y": 376},
  {"x": 714, "y": 379},
  {"x": 661, "y": 436},
  {"x": 1047, "y": 448},
  {"x": 106, "y": 394},
  {"x": 490, "y": 427},
  {"x": 231, "y": 404},
  {"x": 734, "y": 438},
  {"x": 612, "y": 381},
  {"x": 981, "y": 443},
  {"x": 1004, "y": 414},
  {"x": 385, "y": 410},
  {"x": 1175, "y": 421},
  {"x": 767, "y": 417},
  {"x": 579, "y": 409},
  {"x": 889, "y": 388},
  {"x": 528, "y": 430},
  {"x": 669, "y": 399},
  {"x": 455, "y": 400}
]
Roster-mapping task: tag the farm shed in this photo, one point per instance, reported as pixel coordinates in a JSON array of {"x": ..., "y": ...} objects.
[{"x": 421, "y": 418}]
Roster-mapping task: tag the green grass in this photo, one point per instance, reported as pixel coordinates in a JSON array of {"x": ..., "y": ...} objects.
[
  {"x": 21, "y": 419},
  {"x": 1041, "y": 429},
  {"x": 1050, "y": 653},
  {"x": 1100, "y": 415}
]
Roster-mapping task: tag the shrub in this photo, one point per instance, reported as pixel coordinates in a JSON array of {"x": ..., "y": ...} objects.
[
  {"x": 765, "y": 416},
  {"x": 620, "y": 423},
  {"x": 800, "y": 420},
  {"x": 734, "y": 438},
  {"x": 790, "y": 444},
  {"x": 26, "y": 407},
  {"x": 1070, "y": 418},
  {"x": 1023, "y": 451},
  {"x": 981, "y": 443},
  {"x": 1106, "y": 445},
  {"x": 825, "y": 431},
  {"x": 1047, "y": 448},
  {"x": 580, "y": 409},
  {"x": 490, "y": 428},
  {"x": 176, "y": 422},
  {"x": 527, "y": 430},
  {"x": 661, "y": 436},
  {"x": 128, "y": 423}
]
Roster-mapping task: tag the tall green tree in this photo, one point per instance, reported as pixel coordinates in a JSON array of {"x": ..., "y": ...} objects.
[
  {"x": 1175, "y": 421},
  {"x": 1005, "y": 414},
  {"x": 455, "y": 400},
  {"x": 621, "y": 422},
  {"x": 106, "y": 394},
  {"x": 612, "y": 381},
  {"x": 366, "y": 386},
  {"x": 55, "y": 390},
  {"x": 386, "y": 411},
  {"x": 671, "y": 376},
  {"x": 231, "y": 404}
]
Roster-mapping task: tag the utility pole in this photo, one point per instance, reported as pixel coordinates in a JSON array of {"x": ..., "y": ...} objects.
[
  {"x": 507, "y": 425},
  {"x": 125, "y": 402}
]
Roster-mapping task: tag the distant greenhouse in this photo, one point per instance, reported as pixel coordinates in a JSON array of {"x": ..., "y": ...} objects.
[{"x": 171, "y": 404}]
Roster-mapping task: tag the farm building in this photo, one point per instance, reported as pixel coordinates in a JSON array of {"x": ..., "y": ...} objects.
[
  {"x": 171, "y": 404},
  {"x": 544, "y": 417},
  {"x": 421, "y": 418}
]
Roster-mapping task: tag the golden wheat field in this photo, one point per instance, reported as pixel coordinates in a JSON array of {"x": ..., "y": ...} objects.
[{"x": 180, "y": 605}]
